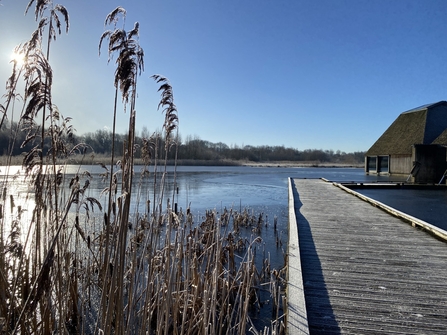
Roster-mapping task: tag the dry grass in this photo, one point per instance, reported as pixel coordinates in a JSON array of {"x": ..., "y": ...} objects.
[{"x": 73, "y": 265}]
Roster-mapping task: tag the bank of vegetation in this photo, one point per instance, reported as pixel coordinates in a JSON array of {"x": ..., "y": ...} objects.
[
  {"x": 125, "y": 261},
  {"x": 190, "y": 151}
]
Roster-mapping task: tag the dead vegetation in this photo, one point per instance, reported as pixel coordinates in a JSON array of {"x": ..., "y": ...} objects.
[{"x": 70, "y": 264}]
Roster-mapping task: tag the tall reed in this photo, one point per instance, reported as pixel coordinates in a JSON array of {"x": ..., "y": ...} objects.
[
  {"x": 129, "y": 65},
  {"x": 76, "y": 265}
]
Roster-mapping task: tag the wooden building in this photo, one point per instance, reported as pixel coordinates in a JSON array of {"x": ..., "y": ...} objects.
[{"x": 415, "y": 144}]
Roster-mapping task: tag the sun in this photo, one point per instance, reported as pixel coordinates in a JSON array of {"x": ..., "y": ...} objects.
[{"x": 18, "y": 58}]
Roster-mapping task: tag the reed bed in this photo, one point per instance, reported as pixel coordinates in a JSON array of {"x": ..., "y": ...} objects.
[
  {"x": 182, "y": 274},
  {"x": 73, "y": 262}
]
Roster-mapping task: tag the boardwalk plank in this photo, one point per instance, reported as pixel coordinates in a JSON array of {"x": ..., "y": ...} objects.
[{"x": 365, "y": 271}]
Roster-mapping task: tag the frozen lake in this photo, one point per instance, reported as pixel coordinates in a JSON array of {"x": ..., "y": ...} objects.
[
  {"x": 258, "y": 189},
  {"x": 264, "y": 189}
]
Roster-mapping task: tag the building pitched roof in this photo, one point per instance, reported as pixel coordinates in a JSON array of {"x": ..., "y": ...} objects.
[
  {"x": 441, "y": 139},
  {"x": 421, "y": 125}
]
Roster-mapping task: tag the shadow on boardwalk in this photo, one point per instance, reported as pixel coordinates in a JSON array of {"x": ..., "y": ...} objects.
[
  {"x": 320, "y": 315},
  {"x": 364, "y": 270}
]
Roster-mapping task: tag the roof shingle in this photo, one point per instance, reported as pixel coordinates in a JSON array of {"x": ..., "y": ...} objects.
[{"x": 426, "y": 124}]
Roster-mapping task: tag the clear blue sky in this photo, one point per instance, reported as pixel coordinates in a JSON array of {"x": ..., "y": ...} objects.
[{"x": 308, "y": 74}]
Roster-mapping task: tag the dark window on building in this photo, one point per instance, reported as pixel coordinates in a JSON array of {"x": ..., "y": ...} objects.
[
  {"x": 372, "y": 164},
  {"x": 383, "y": 164}
]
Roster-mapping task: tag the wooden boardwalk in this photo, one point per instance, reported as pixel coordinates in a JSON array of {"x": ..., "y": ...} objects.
[{"x": 364, "y": 270}]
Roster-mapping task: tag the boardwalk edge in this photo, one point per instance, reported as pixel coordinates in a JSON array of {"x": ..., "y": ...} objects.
[
  {"x": 296, "y": 304},
  {"x": 415, "y": 222}
]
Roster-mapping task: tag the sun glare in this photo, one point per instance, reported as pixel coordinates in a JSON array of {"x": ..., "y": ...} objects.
[{"x": 18, "y": 58}]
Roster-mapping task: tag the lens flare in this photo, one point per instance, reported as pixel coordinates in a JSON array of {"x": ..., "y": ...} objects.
[{"x": 18, "y": 58}]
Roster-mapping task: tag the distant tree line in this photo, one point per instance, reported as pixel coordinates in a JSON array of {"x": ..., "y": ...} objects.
[
  {"x": 196, "y": 148},
  {"x": 192, "y": 148}
]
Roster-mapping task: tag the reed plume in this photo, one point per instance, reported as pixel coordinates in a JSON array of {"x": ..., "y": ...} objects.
[
  {"x": 129, "y": 64},
  {"x": 78, "y": 264}
]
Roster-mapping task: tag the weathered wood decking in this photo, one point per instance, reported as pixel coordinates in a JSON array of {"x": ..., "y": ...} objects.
[{"x": 364, "y": 270}]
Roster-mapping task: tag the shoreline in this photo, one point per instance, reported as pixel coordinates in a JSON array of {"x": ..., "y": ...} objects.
[
  {"x": 293, "y": 164},
  {"x": 102, "y": 159}
]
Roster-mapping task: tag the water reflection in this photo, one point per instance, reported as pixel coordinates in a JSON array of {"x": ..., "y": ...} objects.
[
  {"x": 265, "y": 188},
  {"x": 262, "y": 189}
]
